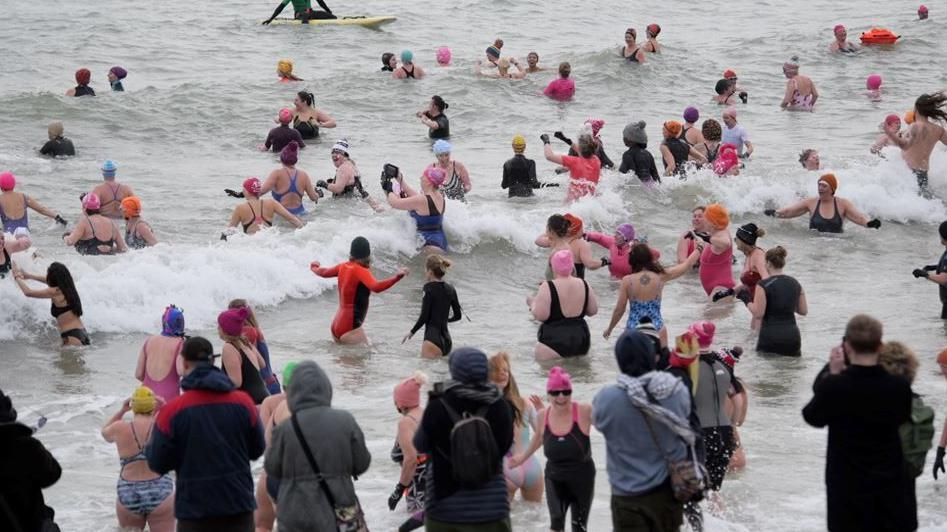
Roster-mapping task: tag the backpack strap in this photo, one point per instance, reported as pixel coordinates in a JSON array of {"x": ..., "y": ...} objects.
[{"x": 312, "y": 461}]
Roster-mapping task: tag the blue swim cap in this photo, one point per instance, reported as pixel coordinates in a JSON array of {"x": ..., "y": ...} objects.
[
  {"x": 109, "y": 167},
  {"x": 172, "y": 322},
  {"x": 441, "y": 147},
  {"x": 407, "y": 56}
]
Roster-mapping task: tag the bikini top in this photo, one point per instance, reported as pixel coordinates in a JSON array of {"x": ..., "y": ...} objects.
[
  {"x": 140, "y": 455},
  {"x": 59, "y": 311},
  {"x": 258, "y": 219}
]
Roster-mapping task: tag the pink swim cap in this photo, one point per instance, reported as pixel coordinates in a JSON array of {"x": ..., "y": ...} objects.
[
  {"x": 838, "y": 28},
  {"x": 7, "y": 181},
  {"x": 443, "y": 56},
  {"x": 922, "y": 9},
  {"x": 704, "y": 330},
  {"x": 562, "y": 262},
  {"x": 435, "y": 175},
  {"x": 596, "y": 124},
  {"x": 727, "y": 158},
  {"x": 91, "y": 202},
  {"x": 285, "y": 116},
  {"x": 892, "y": 119},
  {"x": 558, "y": 380},
  {"x": 252, "y": 185},
  {"x": 873, "y": 82}
]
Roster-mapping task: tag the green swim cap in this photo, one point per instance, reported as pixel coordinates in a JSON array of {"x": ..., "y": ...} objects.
[{"x": 288, "y": 373}]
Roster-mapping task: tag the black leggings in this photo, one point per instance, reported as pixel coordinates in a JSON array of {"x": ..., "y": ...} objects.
[
  {"x": 573, "y": 490},
  {"x": 719, "y": 444}
]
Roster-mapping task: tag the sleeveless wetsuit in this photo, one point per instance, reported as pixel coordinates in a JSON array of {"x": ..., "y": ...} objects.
[
  {"x": 822, "y": 225},
  {"x": 90, "y": 246},
  {"x": 716, "y": 270},
  {"x": 142, "y": 497},
  {"x": 569, "y": 337},
  {"x": 298, "y": 211},
  {"x": 305, "y": 128},
  {"x": 430, "y": 227},
  {"x": 713, "y": 383},
  {"x": 258, "y": 219},
  {"x": 170, "y": 386},
  {"x": 355, "y": 285},
  {"x": 440, "y": 299},
  {"x": 779, "y": 333},
  {"x": 12, "y": 224},
  {"x": 570, "y": 474},
  {"x": 251, "y": 380},
  {"x": 133, "y": 240}
]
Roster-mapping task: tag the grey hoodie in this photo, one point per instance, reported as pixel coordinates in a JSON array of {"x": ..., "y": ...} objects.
[{"x": 337, "y": 445}]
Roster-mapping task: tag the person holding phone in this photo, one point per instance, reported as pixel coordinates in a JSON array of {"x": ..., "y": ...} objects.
[{"x": 426, "y": 207}]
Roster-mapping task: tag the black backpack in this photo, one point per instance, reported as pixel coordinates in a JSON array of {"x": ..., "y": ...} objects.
[{"x": 474, "y": 456}]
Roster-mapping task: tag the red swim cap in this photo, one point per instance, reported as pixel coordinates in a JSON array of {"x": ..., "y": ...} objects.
[
  {"x": 729, "y": 74},
  {"x": 83, "y": 76}
]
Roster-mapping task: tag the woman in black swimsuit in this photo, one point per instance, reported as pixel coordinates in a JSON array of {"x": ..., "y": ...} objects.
[
  {"x": 710, "y": 148},
  {"x": 631, "y": 51},
  {"x": 562, "y": 305},
  {"x": 85, "y": 236},
  {"x": 238, "y": 358},
  {"x": 440, "y": 299},
  {"x": 308, "y": 119},
  {"x": 66, "y": 306},
  {"x": 820, "y": 219},
  {"x": 778, "y": 299}
]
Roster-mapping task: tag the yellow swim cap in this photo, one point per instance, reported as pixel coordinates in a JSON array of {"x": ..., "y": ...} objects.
[
  {"x": 143, "y": 400},
  {"x": 285, "y": 67},
  {"x": 519, "y": 143}
]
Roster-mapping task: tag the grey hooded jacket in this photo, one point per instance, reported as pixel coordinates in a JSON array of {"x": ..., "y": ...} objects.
[{"x": 336, "y": 442}]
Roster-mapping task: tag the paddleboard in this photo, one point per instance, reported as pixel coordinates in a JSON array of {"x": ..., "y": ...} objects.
[{"x": 365, "y": 22}]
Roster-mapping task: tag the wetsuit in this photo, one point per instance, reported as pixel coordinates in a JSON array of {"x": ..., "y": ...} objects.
[
  {"x": 250, "y": 379},
  {"x": 822, "y": 225},
  {"x": 569, "y": 337},
  {"x": 117, "y": 86},
  {"x": 519, "y": 176},
  {"x": 90, "y": 246},
  {"x": 570, "y": 474},
  {"x": 680, "y": 150},
  {"x": 293, "y": 189},
  {"x": 58, "y": 147},
  {"x": 12, "y": 224},
  {"x": 440, "y": 298},
  {"x": 302, "y": 9},
  {"x": 355, "y": 284},
  {"x": 430, "y": 227},
  {"x": 713, "y": 385},
  {"x": 258, "y": 219},
  {"x": 640, "y": 160},
  {"x": 84, "y": 90},
  {"x": 779, "y": 333},
  {"x": 443, "y": 126},
  {"x": 306, "y": 129},
  {"x": 133, "y": 239},
  {"x": 142, "y": 497},
  {"x": 280, "y": 136},
  {"x": 78, "y": 334}
]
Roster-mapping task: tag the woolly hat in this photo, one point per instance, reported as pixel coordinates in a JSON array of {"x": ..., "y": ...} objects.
[
  {"x": 407, "y": 393},
  {"x": 635, "y": 353},
  {"x": 635, "y": 133},
  {"x": 290, "y": 153},
  {"x": 704, "y": 330},
  {"x": 231, "y": 320},
  {"x": 468, "y": 365}
]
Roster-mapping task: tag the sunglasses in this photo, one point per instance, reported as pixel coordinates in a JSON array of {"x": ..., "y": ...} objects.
[{"x": 557, "y": 393}]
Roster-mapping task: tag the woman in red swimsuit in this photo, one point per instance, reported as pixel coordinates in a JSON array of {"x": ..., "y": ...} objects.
[{"x": 355, "y": 284}]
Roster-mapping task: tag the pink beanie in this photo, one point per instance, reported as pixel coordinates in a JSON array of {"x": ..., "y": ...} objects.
[
  {"x": 558, "y": 380},
  {"x": 7, "y": 181},
  {"x": 407, "y": 393},
  {"x": 231, "y": 320},
  {"x": 285, "y": 116},
  {"x": 704, "y": 330},
  {"x": 443, "y": 56},
  {"x": 562, "y": 262},
  {"x": 873, "y": 82},
  {"x": 91, "y": 202}
]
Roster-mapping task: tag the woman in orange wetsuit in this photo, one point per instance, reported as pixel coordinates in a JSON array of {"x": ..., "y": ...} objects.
[{"x": 355, "y": 284}]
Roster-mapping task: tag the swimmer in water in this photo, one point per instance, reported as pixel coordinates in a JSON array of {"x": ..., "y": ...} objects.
[
  {"x": 594, "y": 125},
  {"x": 57, "y": 145},
  {"x": 65, "y": 305},
  {"x": 690, "y": 132},
  {"x": 937, "y": 274},
  {"x": 618, "y": 246},
  {"x": 427, "y": 208},
  {"x": 584, "y": 170},
  {"x": 408, "y": 70},
  {"x": 443, "y": 56},
  {"x": 284, "y": 71},
  {"x": 652, "y": 46},
  {"x": 883, "y": 141},
  {"x": 85, "y": 236},
  {"x": 20, "y": 242},
  {"x": 503, "y": 69},
  {"x": 389, "y": 62},
  {"x": 562, "y": 88},
  {"x": 725, "y": 90},
  {"x": 873, "y": 87},
  {"x": 302, "y": 10},
  {"x": 841, "y": 43},
  {"x": 922, "y": 136},
  {"x": 254, "y": 334},
  {"x": 716, "y": 260},
  {"x": 735, "y": 134},
  {"x": 922, "y": 14},
  {"x": 519, "y": 173},
  {"x": 111, "y": 192},
  {"x": 754, "y": 267},
  {"x": 637, "y": 157},
  {"x": 457, "y": 184},
  {"x": 568, "y": 232},
  {"x": 347, "y": 182},
  {"x": 801, "y": 93},
  {"x": 138, "y": 233},
  {"x": 82, "y": 88},
  {"x": 239, "y": 358},
  {"x": 731, "y": 76},
  {"x": 292, "y": 181},
  {"x": 775, "y": 304},
  {"x": 631, "y": 52},
  {"x": 160, "y": 364},
  {"x": 493, "y": 52},
  {"x": 825, "y": 210},
  {"x": 355, "y": 284},
  {"x": 686, "y": 243},
  {"x": 532, "y": 63},
  {"x": 562, "y": 304},
  {"x": 307, "y": 119},
  {"x": 809, "y": 159},
  {"x": 675, "y": 151},
  {"x": 14, "y": 206},
  {"x": 257, "y": 211},
  {"x": 712, "y": 133},
  {"x": 434, "y": 118},
  {"x": 281, "y": 135},
  {"x": 439, "y": 306},
  {"x": 115, "y": 76}
]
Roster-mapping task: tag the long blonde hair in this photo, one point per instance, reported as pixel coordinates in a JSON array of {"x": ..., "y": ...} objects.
[{"x": 511, "y": 392}]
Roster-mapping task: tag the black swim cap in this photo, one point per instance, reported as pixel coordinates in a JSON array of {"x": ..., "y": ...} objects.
[
  {"x": 722, "y": 86},
  {"x": 360, "y": 249},
  {"x": 943, "y": 230},
  {"x": 198, "y": 349}
]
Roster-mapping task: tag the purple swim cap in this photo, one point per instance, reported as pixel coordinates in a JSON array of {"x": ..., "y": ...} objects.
[
  {"x": 691, "y": 114},
  {"x": 627, "y": 231}
]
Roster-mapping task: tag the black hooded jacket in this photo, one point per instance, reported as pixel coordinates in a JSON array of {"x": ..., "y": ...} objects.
[{"x": 26, "y": 468}]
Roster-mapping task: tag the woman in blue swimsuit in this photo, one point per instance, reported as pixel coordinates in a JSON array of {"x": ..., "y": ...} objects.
[
  {"x": 292, "y": 181},
  {"x": 426, "y": 207},
  {"x": 642, "y": 290}
]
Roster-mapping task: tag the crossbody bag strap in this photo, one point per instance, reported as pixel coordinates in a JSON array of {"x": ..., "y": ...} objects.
[{"x": 312, "y": 461}]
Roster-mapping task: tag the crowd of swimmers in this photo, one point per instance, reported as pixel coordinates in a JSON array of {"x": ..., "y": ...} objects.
[{"x": 677, "y": 394}]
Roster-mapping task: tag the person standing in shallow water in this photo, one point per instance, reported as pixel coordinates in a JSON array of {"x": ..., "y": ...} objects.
[
  {"x": 937, "y": 273},
  {"x": 438, "y": 308},
  {"x": 917, "y": 145},
  {"x": 863, "y": 406},
  {"x": 826, "y": 211},
  {"x": 57, "y": 145}
]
